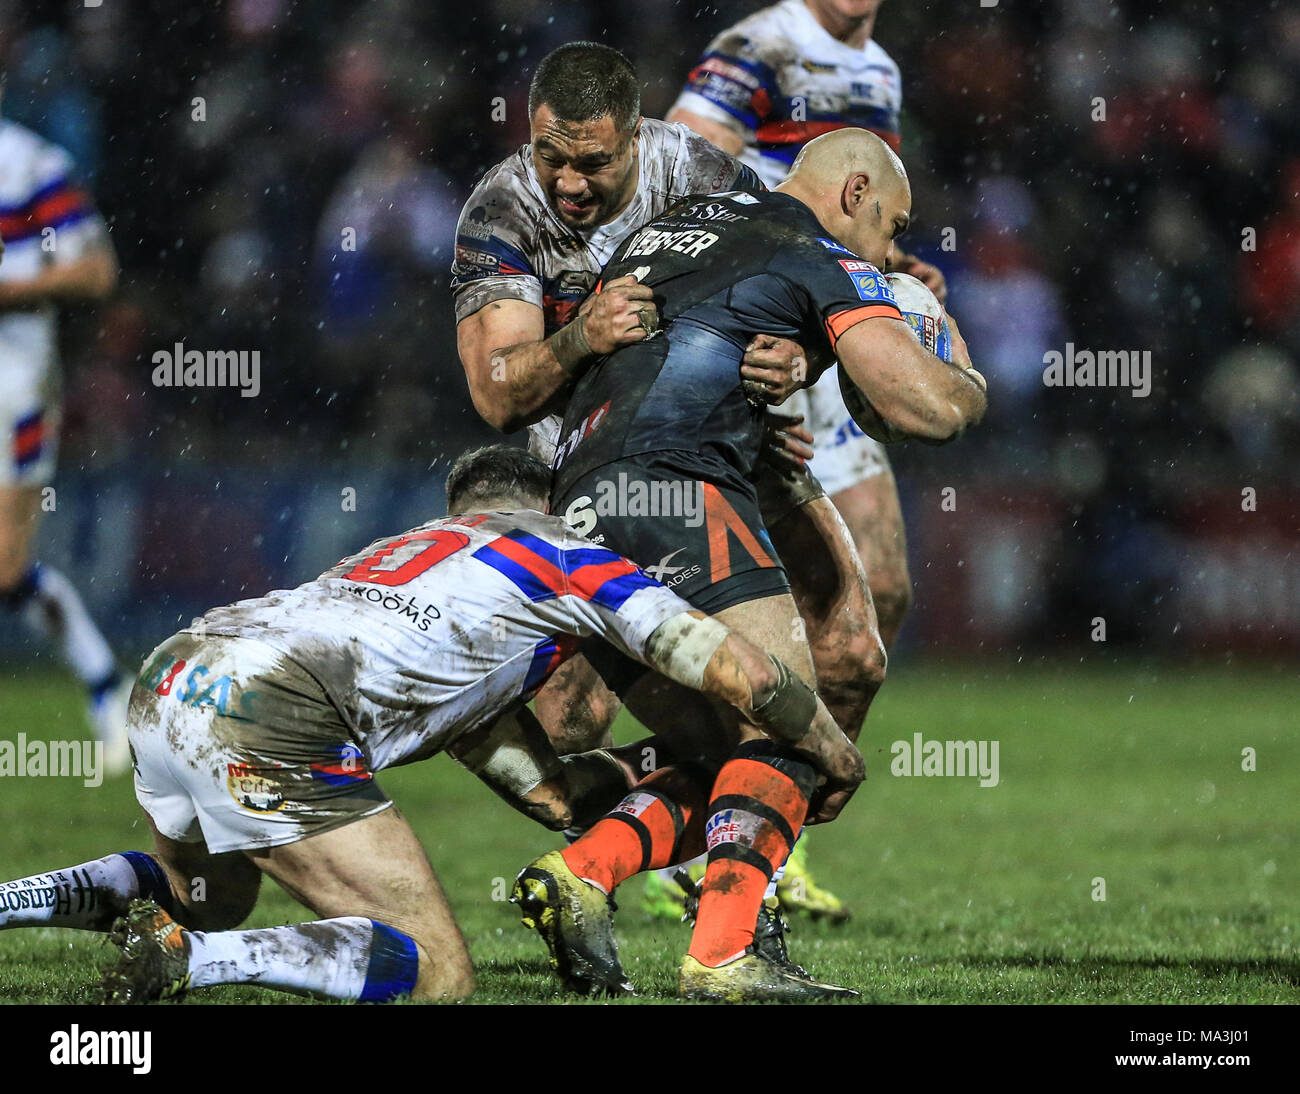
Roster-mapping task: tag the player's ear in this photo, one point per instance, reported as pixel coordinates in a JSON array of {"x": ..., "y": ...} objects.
[{"x": 857, "y": 188}]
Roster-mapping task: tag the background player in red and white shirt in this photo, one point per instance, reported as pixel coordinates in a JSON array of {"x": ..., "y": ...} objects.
[
  {"x": 56, "y": 250},
  {"x": 258, "y": 731},
  {"x": 762, "y": 90}
]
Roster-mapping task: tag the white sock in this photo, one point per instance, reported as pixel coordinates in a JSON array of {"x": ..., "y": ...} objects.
[
  {"x": 779, "y": 873},
  {"x": 87, "y": 897},
  {"x": 330, "y": 957},
  {"x": 666, "y": 874},
  {"x": 55, "y": 612}
]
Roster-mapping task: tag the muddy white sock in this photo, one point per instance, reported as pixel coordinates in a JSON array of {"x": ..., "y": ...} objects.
[
  {"x": 88, "y": 897},
  {"x": 345, "y": 958}
]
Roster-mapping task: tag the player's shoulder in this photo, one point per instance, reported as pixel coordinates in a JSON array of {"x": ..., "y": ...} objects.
[
  {"x": 682, "y": 162},
  {"x": 765, "y": 37},
  {"x": 505, "y": 197},
  {"x": 517, "y": 524},
  {"x": 876, "y": 54},
  {"x": 40, "y": 158}
]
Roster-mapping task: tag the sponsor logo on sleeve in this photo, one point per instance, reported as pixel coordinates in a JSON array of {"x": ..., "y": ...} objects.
[{"x": 869, "y": 281}]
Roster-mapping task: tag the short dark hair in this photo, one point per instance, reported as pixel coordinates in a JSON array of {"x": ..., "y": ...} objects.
[
  {"x": 496, "y": 471},
  {"x": 582, "y": 81}
]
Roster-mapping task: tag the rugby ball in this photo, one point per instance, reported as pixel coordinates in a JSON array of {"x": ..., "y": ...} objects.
[{"x": 923, "y": 313}]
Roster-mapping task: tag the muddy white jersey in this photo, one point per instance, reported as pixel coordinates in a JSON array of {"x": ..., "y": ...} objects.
[
  {"x": 424, "y": 636},
  {"x": 778, "y": 79},
  {"x": 510, "y": 243}
]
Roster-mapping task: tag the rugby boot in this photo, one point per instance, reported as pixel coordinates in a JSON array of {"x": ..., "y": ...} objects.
[
  {"x": 576, "y": 921},
  {"x": 155, "y": 961},
  {"x": 753, "y": 978},
  {"x": 798, "y": 892},
  {"x": 769, "y": 938}
]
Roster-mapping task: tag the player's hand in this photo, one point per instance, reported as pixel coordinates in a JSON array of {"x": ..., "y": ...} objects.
[
  {"x": 786, "y": 439},
  {"x": 827, "y": 804},
  {"x": 773, "y": 369},
  {"x": 622, "y": 312},
  {"x": 961, "y": 353},
  {"x": 929, "y": 276},
  {"x": 845, "y": 771}
]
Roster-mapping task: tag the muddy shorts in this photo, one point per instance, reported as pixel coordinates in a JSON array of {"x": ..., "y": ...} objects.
[
  {"x": 237, "y": 745},
  {"x": 689, "y": 520}
]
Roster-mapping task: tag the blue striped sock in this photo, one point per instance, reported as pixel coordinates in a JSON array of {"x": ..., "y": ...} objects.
[
  {"x": 394, "y": 965},
  {"x": 151, "y": 879}
]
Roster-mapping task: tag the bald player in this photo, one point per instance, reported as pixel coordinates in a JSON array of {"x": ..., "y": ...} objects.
[
  {"x": 800, "y": 263},
  {"x": 763, "y": 88}
]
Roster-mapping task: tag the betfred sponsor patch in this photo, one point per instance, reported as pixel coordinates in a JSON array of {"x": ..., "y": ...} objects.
[{"x": 869, "y": 281}]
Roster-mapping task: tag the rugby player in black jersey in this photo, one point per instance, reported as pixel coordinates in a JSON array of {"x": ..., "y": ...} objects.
[
  {"x": 530, "y": 245},
  {"x": 666, "y": 418}
]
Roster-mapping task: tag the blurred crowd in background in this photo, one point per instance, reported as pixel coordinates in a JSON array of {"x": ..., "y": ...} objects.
[{"x": 1170, "y": 225}]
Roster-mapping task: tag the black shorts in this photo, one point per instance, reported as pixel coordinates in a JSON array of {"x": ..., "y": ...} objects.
[{"x": 690, "y": 520}]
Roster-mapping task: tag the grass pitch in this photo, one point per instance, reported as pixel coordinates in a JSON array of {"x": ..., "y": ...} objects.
[{"x": 961, "y": 894}]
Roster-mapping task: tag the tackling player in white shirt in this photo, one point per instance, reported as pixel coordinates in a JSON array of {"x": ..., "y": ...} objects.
[
  {"x": 258, "y": 732},
  {"x": 55, "y": 249}
]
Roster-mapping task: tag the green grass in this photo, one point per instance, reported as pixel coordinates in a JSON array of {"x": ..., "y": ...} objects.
[{"x": 960, "y": 894}]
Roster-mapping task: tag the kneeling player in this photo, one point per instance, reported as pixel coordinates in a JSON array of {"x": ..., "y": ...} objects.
[{"x": 257, "y": 734}]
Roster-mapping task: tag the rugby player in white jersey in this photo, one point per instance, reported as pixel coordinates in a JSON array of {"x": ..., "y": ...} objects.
[
  {"x": 55, "y": 250},
  {"x": 762, "y": 90},
  {"x": 257, "y": 733},
  {"x": 530, "y": 245}
]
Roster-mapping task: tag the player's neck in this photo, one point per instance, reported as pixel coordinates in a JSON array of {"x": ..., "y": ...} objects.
[{"x": 855, "y": 33}]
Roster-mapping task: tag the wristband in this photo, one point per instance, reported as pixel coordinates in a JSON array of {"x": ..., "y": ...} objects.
[
  {"x": 570, "y": 346},
  {"x": 790, "y": 709}
]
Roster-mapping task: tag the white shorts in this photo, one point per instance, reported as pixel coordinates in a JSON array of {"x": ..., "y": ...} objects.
[
  {"x": 843, "y": 455},
  {"x": 29, "y": 421},
  {"x": 237, "y": 746}
]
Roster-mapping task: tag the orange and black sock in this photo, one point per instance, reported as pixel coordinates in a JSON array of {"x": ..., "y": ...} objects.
[
  {"x": 760, "y": 800},
  {"x": 659, "y": 823}
]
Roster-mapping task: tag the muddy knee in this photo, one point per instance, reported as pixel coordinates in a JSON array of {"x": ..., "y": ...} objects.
[{"x": 851, "y": 661}]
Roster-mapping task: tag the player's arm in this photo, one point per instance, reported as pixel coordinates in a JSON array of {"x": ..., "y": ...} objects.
[
  {"x": 514, "y": 371},
  {"x": 728, "y": 94},
  {"x": 610, "y": 597},
  {"x": 82, "y": 264},
  {"x": 93, "y": 276},
  {"x": 916, "y": 392},
  {"x": 730, "y": 138},
  {"x": 516, "y": 759}
]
